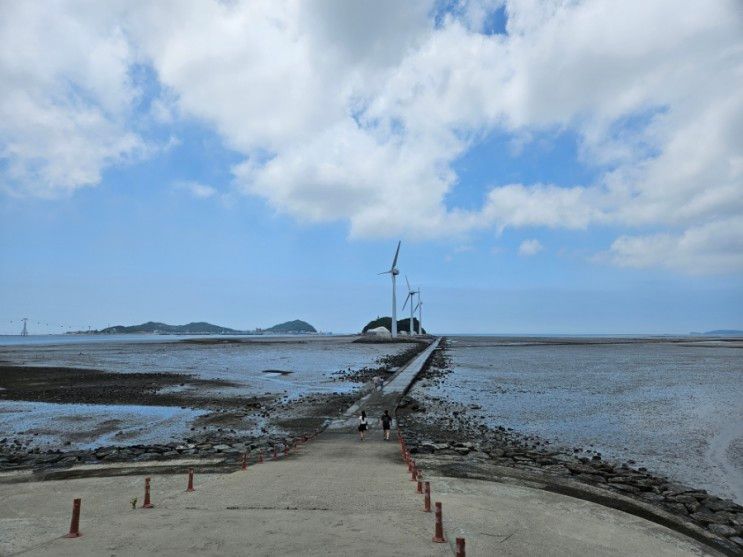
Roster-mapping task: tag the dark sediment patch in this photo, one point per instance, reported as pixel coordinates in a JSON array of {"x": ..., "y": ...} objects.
[
  {"x": 232, "y": 426},
  {"x": 92, "y": 386},
  {"x": 255, "y": 340},
  {"x": 450, "y": 439}
]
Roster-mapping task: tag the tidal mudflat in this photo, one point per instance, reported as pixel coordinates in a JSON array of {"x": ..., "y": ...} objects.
[
  {"x": 675, "y": 407},
  {"x": 75, "y": 396},
  {"x": 655, "y": 422}
]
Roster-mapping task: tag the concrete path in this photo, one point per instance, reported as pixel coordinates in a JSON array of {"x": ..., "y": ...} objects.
[
  {"x": 514, "y": 520},
  {"x": 336, "y": 496},
  {"x": 333, "y": 496}
]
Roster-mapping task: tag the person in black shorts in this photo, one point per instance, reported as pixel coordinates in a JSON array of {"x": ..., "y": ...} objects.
[
  {"x": 386, "y": 423},
  {"x": 362, "y": 425}
]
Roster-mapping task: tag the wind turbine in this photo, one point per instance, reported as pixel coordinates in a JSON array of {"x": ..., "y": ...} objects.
[
  {"x": 419, "y": 307},
  {"x": 411, "y": 293},
  {"x": 393, "y": 273}
]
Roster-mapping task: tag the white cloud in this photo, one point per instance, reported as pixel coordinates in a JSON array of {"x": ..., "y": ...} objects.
[
  {"x": 356, "y": 111},
  {"x": 531, "y": 247},
  {"x": 197, "y": 190},
  {"x": 65, "y": 94},
  {"x": 519, "y": 206},
  {"x": 704, "y": 249}
]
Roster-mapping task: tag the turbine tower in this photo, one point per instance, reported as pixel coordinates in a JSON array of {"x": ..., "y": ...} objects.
[
  {"x": 24, "y": 332},
  {"x": 411, "y": 293},
  {"x": 419, "y": 307},
  {"x": 393, "y": 273}
]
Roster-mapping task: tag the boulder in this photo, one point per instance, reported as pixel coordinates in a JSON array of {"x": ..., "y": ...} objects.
[
  {"x": 722, "y": 530},
  {"x": 380, "y": 332}
]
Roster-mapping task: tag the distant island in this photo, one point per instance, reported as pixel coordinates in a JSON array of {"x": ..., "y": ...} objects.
[
  {"x": 721, "y": 333},
  {"x": 153, "y": 327},
  {"x": 201, "y": 328},
  {"x": 296, "y": 326}
]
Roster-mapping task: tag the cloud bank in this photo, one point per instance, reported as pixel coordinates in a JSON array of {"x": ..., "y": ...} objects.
[{"x": 357, "y": 111}]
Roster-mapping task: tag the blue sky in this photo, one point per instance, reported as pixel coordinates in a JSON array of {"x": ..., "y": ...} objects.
[{"x": 161, "y": 192}]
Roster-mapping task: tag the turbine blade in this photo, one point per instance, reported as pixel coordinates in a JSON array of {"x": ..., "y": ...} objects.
[
  {"x": 406, "y": 301},
  {"x": 384, "y": 273},
  {"x": 394, "y": 261},
  {"x": 408, "y": 283}
]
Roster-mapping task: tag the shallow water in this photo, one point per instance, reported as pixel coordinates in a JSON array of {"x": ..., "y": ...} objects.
[
  {"x": 85, "y": 426},
  {"x": 311, "y": 360},
  {"x": 675, "y": 408}
]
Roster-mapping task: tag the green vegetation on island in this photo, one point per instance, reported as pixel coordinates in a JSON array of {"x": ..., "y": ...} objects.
[
  {"x": 202, "y": 328},
  {"x": 154, "y": 327},
  {"x": 296, "y": 326},
  {"x": 386, "y": 322}
]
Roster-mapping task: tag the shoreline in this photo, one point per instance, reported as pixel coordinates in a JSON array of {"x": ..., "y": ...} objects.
[
  {"x": 453, "y": 445},
  {"x": 227, "y": 428},
  {"x": 445, "y": 440}
]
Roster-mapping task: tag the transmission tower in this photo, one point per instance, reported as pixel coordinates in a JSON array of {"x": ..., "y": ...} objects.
[{"x": 24, "y": 332}]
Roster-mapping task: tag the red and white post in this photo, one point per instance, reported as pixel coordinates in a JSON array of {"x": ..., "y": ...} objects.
[
  {"x": 438, "y": 535},
  {"x": 426, "y": 497},
  {"x": 75, "y": 522},
  {"x": 147, "y": 503}
]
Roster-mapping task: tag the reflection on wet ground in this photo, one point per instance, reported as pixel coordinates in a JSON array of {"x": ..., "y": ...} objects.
[
  {"x": 675, "y": 407},
  {"x": 114, "y": 392}
]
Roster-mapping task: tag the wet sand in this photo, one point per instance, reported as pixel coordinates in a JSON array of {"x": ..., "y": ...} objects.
[
  {"x": 450, "y": 439},
  {"x": 93, "y": 386},
  {"x": 60, "y": 416}
]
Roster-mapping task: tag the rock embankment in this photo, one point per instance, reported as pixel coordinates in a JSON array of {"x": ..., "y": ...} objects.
[
  {"x": 227, "y": 433},
  {"x": 228, "y": 427},
  {"x": 384, "y": 366},
  {"x": 450, "y": 438}
]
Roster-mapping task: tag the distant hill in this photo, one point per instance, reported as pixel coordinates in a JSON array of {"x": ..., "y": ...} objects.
[
  {"x": 721, "y": 333},
  {"x": 296, "y": 326},
  {"x": 198, "y": 328},
  {"x": 402, "y": 324}
]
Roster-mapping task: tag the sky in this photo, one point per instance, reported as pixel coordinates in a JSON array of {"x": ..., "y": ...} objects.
[{"x": 551, "y": 167}]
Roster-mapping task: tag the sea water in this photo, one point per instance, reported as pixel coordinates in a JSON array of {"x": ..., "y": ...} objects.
[{"x": 674, "y": 407}]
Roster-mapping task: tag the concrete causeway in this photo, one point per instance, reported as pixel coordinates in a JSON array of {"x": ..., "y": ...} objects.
[{"x": 334, "y": 495}]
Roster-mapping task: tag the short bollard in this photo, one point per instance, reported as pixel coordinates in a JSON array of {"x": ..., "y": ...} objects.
[
  {"x": 245, "y": 461},
  {"x": 190, "y": 480},
  {"x": 275, "y": 455},
  {"x": 147, "y": 504},
  {"x": 75, "y": 522},
  {"x": 260, "y": 456},
  {"x": 419, "y": 489},
  {"x": 460, "y": 548},
  {"x": 426, "y": 497},
  {"x": 414, "y": 474},
  {"x": 286, "y": 450},
  {"x": 438, "y": 535}
]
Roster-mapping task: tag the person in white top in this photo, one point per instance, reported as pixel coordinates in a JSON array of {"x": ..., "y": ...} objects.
[{"x": 363, "y": 424}]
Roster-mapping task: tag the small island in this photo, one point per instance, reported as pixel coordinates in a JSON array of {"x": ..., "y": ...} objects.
[
  {"x": 386, "y": 322},
  {"x": 292, "y": 327},
  {"x": 296, "y": 326}
]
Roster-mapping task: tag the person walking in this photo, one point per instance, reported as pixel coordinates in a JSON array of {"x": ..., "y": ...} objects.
[
  {"x": 363, "y": 424},
  {"x": 386, "y": 420}
]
